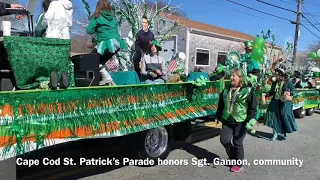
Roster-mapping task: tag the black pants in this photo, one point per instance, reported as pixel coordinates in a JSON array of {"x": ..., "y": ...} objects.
[
  {"x": 136, "y": 63},
  {"x": 236, "y": 133},
  {"x": 105, "y": 56}
]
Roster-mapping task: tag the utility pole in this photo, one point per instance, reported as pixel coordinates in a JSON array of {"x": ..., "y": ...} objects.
[{"x": 297, "y": 32}]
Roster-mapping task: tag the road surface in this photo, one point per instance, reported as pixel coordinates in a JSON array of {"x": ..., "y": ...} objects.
[{"x": 303, "y": 145}]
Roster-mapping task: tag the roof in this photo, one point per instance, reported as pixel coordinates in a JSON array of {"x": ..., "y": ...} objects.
[{"x": 209, "y": 28}]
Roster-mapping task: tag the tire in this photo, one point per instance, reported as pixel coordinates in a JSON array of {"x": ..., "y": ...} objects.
[
  {"x": 310, "y": 111},
  {"x": 153, "y": 144},
  {"x": 300, "y": 113}
]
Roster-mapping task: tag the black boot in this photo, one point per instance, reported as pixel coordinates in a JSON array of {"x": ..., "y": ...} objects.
[
  {"x": 54, "y": 80},
  {"x": 64, "y": 80}
]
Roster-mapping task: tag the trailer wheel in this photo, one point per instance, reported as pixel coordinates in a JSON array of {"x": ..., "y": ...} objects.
[
  {"x": 310, "y": 111},
  {"x": 299, "y": 113},
  {"x": 154, "y": 143}
]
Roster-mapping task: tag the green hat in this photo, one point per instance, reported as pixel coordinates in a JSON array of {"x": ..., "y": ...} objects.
[
  {"x": 248, "y": 44},
  {"x": 157, "y": 44}
]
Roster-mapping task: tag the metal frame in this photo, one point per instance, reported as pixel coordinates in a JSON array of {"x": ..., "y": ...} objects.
[{"x": 226, "y": 52}]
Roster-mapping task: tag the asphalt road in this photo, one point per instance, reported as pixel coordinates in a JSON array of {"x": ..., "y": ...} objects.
[{"x": 303, "y": 145}]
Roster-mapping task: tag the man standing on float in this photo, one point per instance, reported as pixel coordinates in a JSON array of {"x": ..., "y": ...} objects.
[{"x": 143, "y": 40}]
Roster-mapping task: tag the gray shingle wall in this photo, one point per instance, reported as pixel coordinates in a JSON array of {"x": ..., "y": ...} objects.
[{"x": 214, "y": 45}]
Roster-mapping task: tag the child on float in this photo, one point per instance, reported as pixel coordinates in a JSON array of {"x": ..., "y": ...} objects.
[
  {"x": 153, "y": 66},
  {"x": 104, "y": 24},
  {"x": 237, "y": 106},
  {"x": 279, "y": 115}
]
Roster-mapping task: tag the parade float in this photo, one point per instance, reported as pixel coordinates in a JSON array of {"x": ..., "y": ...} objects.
[{"x": 149, "y": 117}]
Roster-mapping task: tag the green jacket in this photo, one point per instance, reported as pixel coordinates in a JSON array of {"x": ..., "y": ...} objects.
[
  {"x": 246, "y": 58},
  {"x": 105, "y": 26},
  {"x": 244, "y": 107},
  {"x": 40, "y": 30},
  {"x": 253, "y": 65}
]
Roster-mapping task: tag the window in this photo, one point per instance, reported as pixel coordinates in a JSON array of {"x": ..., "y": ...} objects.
[
  {"x": 222, "y": 57},
  {"x": 203, "y": 57}
]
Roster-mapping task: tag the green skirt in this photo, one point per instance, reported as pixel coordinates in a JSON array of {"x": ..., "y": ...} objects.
[{"x": 112, "y": 45}]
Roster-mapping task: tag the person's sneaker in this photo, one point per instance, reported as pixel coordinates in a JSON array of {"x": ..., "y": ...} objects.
[
  {"x": 275, "y": 137},
  {"x": 236, "y": 169}
]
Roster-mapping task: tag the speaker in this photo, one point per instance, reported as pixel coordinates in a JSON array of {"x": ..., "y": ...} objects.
[
  {"x": 86, "y": 69},
  {"x": 7, "y": 81}
]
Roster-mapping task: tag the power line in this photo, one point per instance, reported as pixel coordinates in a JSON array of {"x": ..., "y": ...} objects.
[
  {"x": 312, "y": 3},
  {"x": 313, "y": 13},
  {"x": 309, "y": 30},
  {"x": 311, "y": 16},
  {"x": 292, "y": 22},
  {"x": 277, "y": 6},
  {"x": 250, "y": 14},
  {"x": 310, "y": 22}
]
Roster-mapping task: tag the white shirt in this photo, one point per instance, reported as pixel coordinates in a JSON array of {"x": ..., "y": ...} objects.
[{"x": 58, "y": 19}]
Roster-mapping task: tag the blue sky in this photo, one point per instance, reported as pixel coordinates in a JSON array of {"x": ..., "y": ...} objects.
[
  {"x": 228, "y": 15},
  {"x": 232, "y": 16}
]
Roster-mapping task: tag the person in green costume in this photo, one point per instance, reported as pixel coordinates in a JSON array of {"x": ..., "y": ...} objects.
[
  {"x": 105, "y": 25},
  {"x": 279, "y": 115},
  {"x": 237, "y": 106},
  {"x": 247, "y": 55},
  {"x": 252, "y": 65}
]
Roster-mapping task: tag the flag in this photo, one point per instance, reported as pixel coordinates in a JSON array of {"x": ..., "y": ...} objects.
[
  {"x": 173, "y": 65},
  {"x": 112, "y": 64}
]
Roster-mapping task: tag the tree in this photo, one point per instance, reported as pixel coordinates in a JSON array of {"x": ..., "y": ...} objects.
[
  {"x": 161, "y": 4},
  {"x": 314, "y": 47},
  {"x": 131, "y": 11}
]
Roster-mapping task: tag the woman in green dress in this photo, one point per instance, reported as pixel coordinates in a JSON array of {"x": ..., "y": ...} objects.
[{"x": 279, "y": 115}]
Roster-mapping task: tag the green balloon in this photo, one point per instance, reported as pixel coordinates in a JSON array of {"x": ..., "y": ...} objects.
[
  {"x": 259, "y": 42},
  {"x": 314, "y": 56},
  {"x": 261, "y": 61},
  {"x": 257, "y": 53}
]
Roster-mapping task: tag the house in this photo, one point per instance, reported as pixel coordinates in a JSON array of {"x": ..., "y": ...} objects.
[
  {"x": 205, "y": 45},
  {"x": 208, "y": 45}
]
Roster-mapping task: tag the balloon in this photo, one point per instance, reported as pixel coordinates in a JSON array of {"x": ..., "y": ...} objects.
[
  {"x": 259, "y": 42},
  {"x": 318, "y": 53},
  {"x": 182, "y": 56},
  {"x": 314, "y": 56},
  {"x": 257, "y": 53},
  {"x": 261, "y": 61}
]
